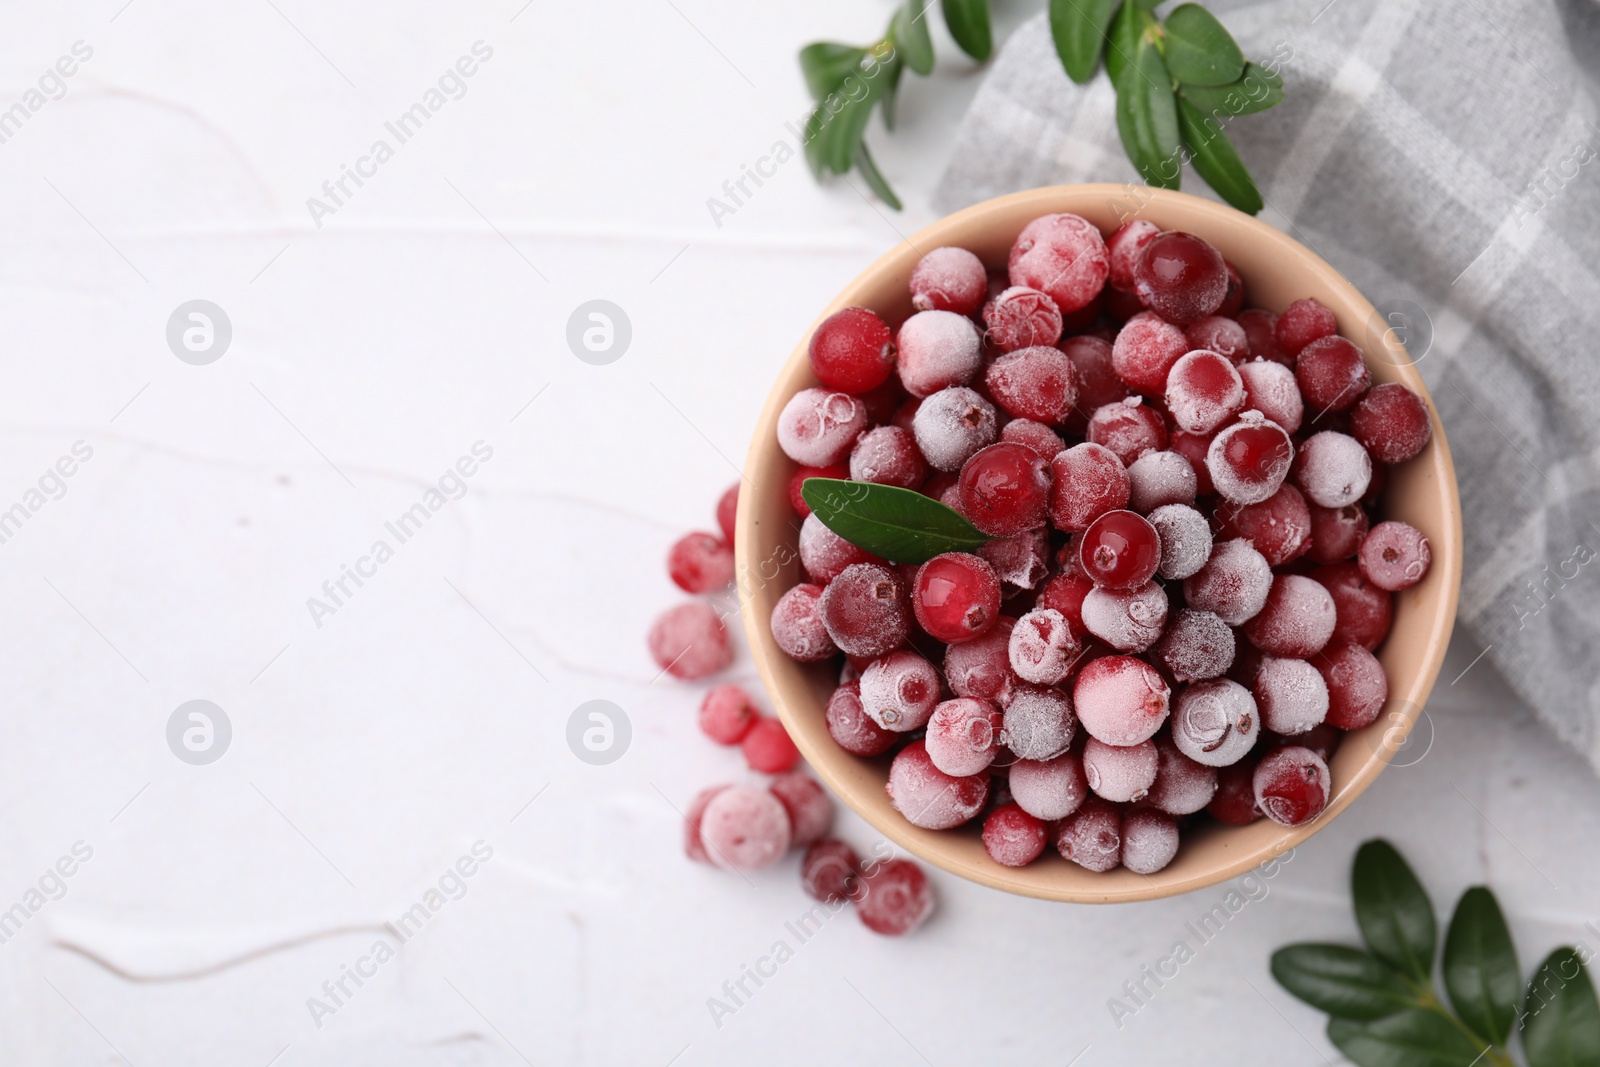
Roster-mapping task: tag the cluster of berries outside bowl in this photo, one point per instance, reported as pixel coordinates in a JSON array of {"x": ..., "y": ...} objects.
[{"x": 1421, "y": 493}]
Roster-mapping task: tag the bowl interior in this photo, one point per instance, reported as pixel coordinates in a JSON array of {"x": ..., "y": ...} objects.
[{"x": 1276, "y": 270}]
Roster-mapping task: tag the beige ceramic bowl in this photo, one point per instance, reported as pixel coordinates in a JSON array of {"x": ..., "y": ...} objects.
[{"x": 1276, "y": 271}]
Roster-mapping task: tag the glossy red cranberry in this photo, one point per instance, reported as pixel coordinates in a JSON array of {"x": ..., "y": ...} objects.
[
  {"x": 1181, "y": 277},
  {"x": 1120, "y": 550},
  {"x": 956, "y": 596},
  {"x": 852, "y": 350},
  {"x": 1292, "y": 785},
  {"x": 1005, "y": 489}
]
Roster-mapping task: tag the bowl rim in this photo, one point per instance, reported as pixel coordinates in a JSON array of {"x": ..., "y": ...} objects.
[{"x": 923, "y": 843}]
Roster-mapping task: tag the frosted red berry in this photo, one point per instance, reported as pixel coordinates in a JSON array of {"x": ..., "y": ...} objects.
[
  {"x": 1020, "y": 562},
  {"x": 1123, "y": 248},
  {"x": 938, "y": 349},
  {"x": 768, "y": 747},
  {"x": 1296, "y": 621},
  {"x": 1048, "y": 789},
  {"x": 807, "y": 804},
  {"x": 1221, "y": 335},
  {"x": 1043, "y": 649},
  {"x": 1149, "y": 840},
  {"x": 1127, "y": 621},
  {"x": 1204, "y": 390},
  {"x": 851, "y": 728},
  {"x": 1145, "y": 349},
  {"x": 888, "y": 455},
  {"x": 956, "y": 596},
  {"x": 1391, "y": 422},
  {"x": 899, "y": 691},
  {"x": 828, "y": 872},
  {"x": 1021, "y": 317},
  {"x": 1234, "y": 583},
  {"x": 1292, "y": 785},
  {"x": 798, "y": 479},
  {"x": 928, "y": 797},
  {"x": 1261, "y": 336},
  {"x": 964, "y": 736},
  {"x": 1279, "y": 527},
  {"x": 1062, "y": 255},
  {"x": 690, "y": 641},
  {"x": 745, "y": 829},
  {"x": 1395, "y": 556},
  {"x": 797, "y": 625},
  {"x": 1012, "y": 837},
  {"x": 1039, "y": 382},
  {"x": 1121, "y": 700},
  {"x": 1196, "y": 645},
  {"x": 824, "y": 554},
  {"x": 951, "y": 425},
  {"x": 1128, "y": 428},
  {"x": 1091, "y": 837},
  {"x": 1181, "y": 277},
  {"x": 1035, "y": 435},
  {"x": 1097, "y": 379},
  {"x": 1120, "y": 773},
  {"x": 1357, "y": 685},
  {"x": 1157, "y": 479},
  {"x": 852, "y": 350},
  {"x": 981, "y": 667},
  {"x": 1193, "y": 447},
  {"x": 1120, "y": 550},
  {"x": 1182, "y": 786},
  {"x": 1249, "y": 460},
  {"x": 1332, "y": 469},
  {"x": 1087, "y": 480},
  {"x": 1005, "y": 489},
  {"x": 1336, "y": 533},
  {"x": 867, "y": 609},
  {"x": 1186, "y": 541},
  {"x": 726, "y": 714},
  {"x": 1301, "y": 323},
  {"x": 1291, "y": 695},
  {"x": 700, "y": 563},
  {"x": 817, "y": 427},
  {"x": 1363, "y": 610},
  {"x": 1332, "y": 374},
  {"x": 1234, "y": 802},
  {"x": 948, "y": 279},
  {"x": 893, "y": 897},
  {"x": 1270, "y": 388},
  {"x": 1216, "y": 722},
  {"x": 693, "y": 846}
]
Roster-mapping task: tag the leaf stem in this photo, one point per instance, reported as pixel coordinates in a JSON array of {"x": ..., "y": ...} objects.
[{"x": 1492, "y": 1055}]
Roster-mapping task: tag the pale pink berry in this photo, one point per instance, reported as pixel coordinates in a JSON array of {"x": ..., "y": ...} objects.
[
  {"x": 1048, "y": 789},
  {"x": 824, "y": 554},
  {"x": 1157, "y": 479},
  {"x": 1087, "y": 480},
  {"x": 700, "y": 563},
  {"x": 928, "y": 797},
  {"x": 1204, "y": 390},
  {"x": 1091, "y": 837},
  {"x": 948, "y": 279},
  {"x": 1149, "y": 840},
  {"x": 1043, "y": 648},
  {"x": 1291, "y": 695},
  {"x": 1021, "y": 317},
  {"x": 1197, "y": 645},
  {"x": 981, "y": 667},
  {"x": 817, "y": 427},
  {"x": 1145, "y": 349},
  {"x": 1332, "y": 469},
  {"x": 1182, "y": 786},
  {"x": 1038, "y": 723},
  {"x": 690, "y": 641},
  {"x": 1270, "y": 388},
  {"x": 1395, "y": 556},
  {"x": 964, "y": 736},
  {"x": 1297, "y": 619},
  {"x": 1123, "y": 248},
  {"x": 1012, "y": 837},
  {"x": 1120, "y": 700},
  {"x": 893, "y": 897},
  {"x": 797, "y": 625},
  {"x": 937, "y": 349},
  {"x": 1185, "y": 540},
  {"x": 1128, "y": 622},
  {"x": 1215, "y": 722},
  {"x": 806, "y": 802},
  {"x": 1234, "y": 583},
  {"x": 693, "y": 846},
  {"x": 1120, "y": 773},
  {"x": 888, "y": 455},
  {"x": 745, "y": 829},
  {"x": 1064, "y": 256},
  {"x": 899, "y": 691},
  {"x": 953, "y": 424}
]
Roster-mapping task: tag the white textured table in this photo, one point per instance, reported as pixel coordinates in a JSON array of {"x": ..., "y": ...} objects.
[{"x": 407, "y": 725}]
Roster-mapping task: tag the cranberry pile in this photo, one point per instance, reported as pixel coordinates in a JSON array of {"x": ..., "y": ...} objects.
[{"x": 1179, "y": 608}]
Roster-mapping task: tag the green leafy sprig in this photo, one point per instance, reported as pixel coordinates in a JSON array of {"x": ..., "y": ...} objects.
[
  {"x": 1178, "y": 82},
  {"x": 899, "y": 525},
  {"x": 1385, "y": 1010}
]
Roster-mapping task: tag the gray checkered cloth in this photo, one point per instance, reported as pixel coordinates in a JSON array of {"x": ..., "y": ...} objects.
[{"x": 1443, "y": 154}]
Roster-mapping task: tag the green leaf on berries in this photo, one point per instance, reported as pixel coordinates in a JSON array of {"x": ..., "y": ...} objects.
[
  {"x": 874, "y": 177},
  {"x": 1344, "y": 982},
  {"x": 900, "y": 525},
  {"x": 1127, "y": 28},
  {"x": 912, "y": 39},
  {"x": 1409, "y": 1038},
  {"x": 826, "y": 65},
  {"x": 1561, "y": 1018},
  {"x": 1257, "y": 90},
  {"x": 1393, "y": 910},
  {"x": 1078, "y": 28},
  {"x": 1216, "y": 160},
  {"x": 1147, "y": 117},
  {"x": 1199, "y": 49},
  {"x": 1480, "y": 966},
  {"x": 968, "y": 23}
]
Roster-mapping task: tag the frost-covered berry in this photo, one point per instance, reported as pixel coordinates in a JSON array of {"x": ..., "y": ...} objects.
[
  {"x": 1120, "y": 550},
  {"x": 768, "y": 747},
  {"x": 689, "y": 641},
  {"x": 1297, "y": 619},
  {"x": 700, "y": 563},
  {"x": 852, "y": 350},
  {"x": 1182, "y": 786},
  {"x": 956, "y": 596},
  {"x": 1224, "y": 336},
  {"x": 867, "y": 609},
  {"x": 1037, "y": 383},
  {"x": 1204, "y": 390},
  {"x": 1180, "y": 277},
  {"x": 1149, "y": 840},
  {"x": 745, "y": 829},
  {"x": 1087, "y": 480},
  {"x": 1391, "y": 422},
  {"x": 1091, "y": 837},
  {"x": 948, "y": 279},
  {"x": 1020, "y": 562},
  {"x": 1065, "y": 593},
  {"x": 981, "y": 667},
  {"x": 1357, "y": 685},
  {"x": 1332, "y": 374},
  {"x": 888, "y": 455},
  {"x": 1395, "y": 556},
  {"x": 1216, "y": 722},
  {"x": 1249, "y": 460},
  {"x": 1157, "y": 479},
  {"x": 964, "y": 736},
  {"x": 1098, "y": 384},
  {"x": 1038, "y": 722},
  {"x": 727, "y": 511},
  {"x": 1291, "y": 695},
  {"x": 938, "y": 349},
  {"x": 797, "y": 625},
  {"x": 1120, "y": 700},
  {"x": 1005, "y": 489},
  {"x": 1336, "y": 533},
  {"x": 824, "y": 554},
  {"x": 1123, "y": 248},
  {"x": 1270, "y": 388},
  {"x": 1301, "y": 323},
  {"x": 798, "y": 480},
  {"x": 851, "y": 728},
  {"x": 1332, "y": 469},
  {"x": 1193, "y": 447},
  {"x": 1145, "y": 349},
  {"x": 693, "y": 846},
  {"x": 1062, "y": 255},
  {"x": 1035, "y": 435},
  {"x": 828, "y": 871},
  {"x": 951, "y": 425},
  {"x": 1197, "y": 645},
  {"x": 1261, "y": 335},
  {"x": 1234, "y": 583},
  {"x": 1235, "y": 801},
  {"x": 1233, "y": 303},
  {"x": 1363, "y": 610},
  {"x": 899, "y": 691},
  {"x": 817, "y": 427},
  {"x": 1185, "y": 540},
  {"x": 1279, "y": 527},
  {"x": 727, "y": 713},
  {"x": 1129, "y": 428},
  {"x": 1120, "y": 773},
  {"x": 894, "y": 897},
  {"x": 1292, "y": 785},
  {"x": 1048, "y": 789},
  {"x": 1021, "y": 317},
  {"x": 1043, "y": 649},
  {"x": 807, "y": 804},
  {"x": 1012, "y": 837},
  {"x": 928, "y": 797},
  {"x": 1128, "y": 622}
]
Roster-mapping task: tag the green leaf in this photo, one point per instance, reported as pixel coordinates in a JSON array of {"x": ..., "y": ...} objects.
[
  {"x": 1561, "y": 1020},
  {"x": 874, "y": 177},
  {"x": 1078, "y": 28},
  {"x": 1216, "y": 160},
  {"x": 842, "y": 132},
  {"x": 897, "y": 524},
  {"x": 891, "y": 92},
  {"x": 1344, "y": 982},
  {"x": 1199, "y": 50},
  {"x": 1147, "y": 117},
  {"x": 1257, "y": 90},
  {"x": 1410, "y": 1038},
  {"x": 968, "y": 23},
  {"x": 1480, "y": 966},
  {"x": 1127, "y": 27},
  {"x": 826, "y": 65},
  {"x": 1393, "y": 910},
  {"x": 912, "y": 39},
  {"x": 815, "y": 123}
]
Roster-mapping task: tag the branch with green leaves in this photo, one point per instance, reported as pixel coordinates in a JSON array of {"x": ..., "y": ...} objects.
[
  {"x": 1178, "y": 80},
  {"x": 1385, "y": 1010}
]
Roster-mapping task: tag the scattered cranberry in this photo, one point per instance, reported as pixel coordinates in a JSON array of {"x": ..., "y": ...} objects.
[
  {"x": 1395, "y": 556},
  {"x": 1037, "y": 383},
  {"x": 1149, "y": 840},
  {"x": 1087, "y": 480},
  {"x": 1091, "y": 837},
  {"x": 951, "y": 425},
  {"x": 1301, "y": 323},
  {"x": 1012, "y": 837},
  {"x": 1336, "y": 533},
  {"x": 1392, "y": 423},
  {"x": 1005, "y": 489},
  {"x": 1021, "y": 318},
  {"x": 1120, "y": 551},
  {"x": 1145, "y": 349},
  {"x": 700, "y": 563},
  {"x": 797, "y": 625},
  {"x": 689, "y": 641},
  {"x": 1292, "y": 785},
  {"x": 1357, "y": 686},
  {"x": 888, "y": 455},
  {"x": 893, "y": 897},
  {"x": 1296, "y": 621},
  {"x": 807, "y": 804},
  {"x": 964, "y": 736},
  {"x": 798, "y": 480},
  {"x": 851, "y": 728},
  {"x": 948, "y": 279},
  {"x": 1123, "y": 248},
  {"x": 744, "y": 829},
  {"x": 817, "y": 427},
  {"x": 938, "y": 349},
  {"x": 1332, "y": 374},
  {"x": 928, "y": 797},
  {"x": 1221, "y": 335},
  {"x": 727, "y": 713},
  {"x": 1121, "y": 700},
  {"x": 956, "y": 596},
  {"x": 693, "y": 846},
  {"x": 899, "y": 691},
  {"x": 1062, "y": 255},
  {"x": 828, "y": 871},
  {"x": 768, "y": 748},
  {"x": 1250, "y": 459},
  {"x": 852, "y": 350},
  {"x": 1363, "y": 610},
  {"x": 1129, "y": 428},
  {"x": 866, "y": 609},
  {"x": 727, "y": 511}
]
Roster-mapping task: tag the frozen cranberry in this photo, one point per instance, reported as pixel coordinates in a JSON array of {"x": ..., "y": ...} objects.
[
  {"x": 905, "y": 415},
  {"x": 867, "y": 609},
  {"x": 964, "y": 736},
  {"x": 1156, "y": 479},
  {"x": 1065, "y": 593},
  {"x": 1336, "y": 533},
  {"x": 745, "y": 829},
  {"x": 1020, "y": 562},
  {"x": 1332, "y": 469},
  {"x": 1250, "y": 459},
  {"x": 1038, "y": 722},
  {"x": 1395, "y": 555},
  {"x": 1128, "y": 428},
  {"x": 1234, "y": 301},
  {"x": 1375, "y": 487},
  {"x": 1181, "y": 277},
  {"x": 852, "y": 350},
  {"x": 948, "y": 279},
  {"x": 700, "y": 563},
  {"x": 956, "y": 596},
  {"x": 1279, "y": 527},
  {"x": 768, "y": 748},
  {"x": 1215, "y": 722},
  {"x": 689, "y": 641},
  {"x": 797, "y": 625},
  {"x": 882, "y": 403},
  {"x": 1220, "y": 335},
  {"x": 1196, "y": 646},
  {"x": 817, "y": 427},
  {"x": 1332, "y": 374},
  {"x": 1035, "y": 435},
  {"x": 1062, "y": 255},
  {"x": 1182, "y": 786},
  {"x": 1021, "y": 318},
  {"x": 851, "y": 728},
  {"x": 1357, "y": 685},
  {"x": 806, "y": 802},
  {"x": 1193, "y": 447},
  {"x": 693, "y": 846},
  {"x": 1234, "y": 583},
  {"x": 1012, "y": 837},
  {"x": 1120, "y": 700},
  {"x": 824, "y": 554},
  {"x": 1292, "y": 785},
  {"x": 1203, "y": 391},
  {"x": 1130, "y": 621},
  {"x": 1149, "y": 840},
  {"x": 1322, "y": 739},
  {"x": 1043, "y": 649},
  {"x": 928, "y": 797},
  {"x": 938, "y": 349},
  {"x": 981, "y": 667},
  {"x": 727, "y": 510},
  {"x": 1291, "y": 695},
  {"x": 1037, "y": 383},
  {"x": 1145, "y": 349},
  {"x": 1235, "y": 799},
  {"x": 1297, "y": 619},
  {"x": 1087, "y": 480},
  {"x": 899, "y": 691},
  {"x": 829, "y": 870},
  {"x": 1185, "y": 540},
  {"x": 727, "y": 713},
  {"x": 1120, "y": 773},
  {"x": 1048, "y": 789},
  {"x": 798, "y": 480},
  {"x": 951, "y": 425},
  {"x": 894, "y": 897},
  {"x": 1098, "y": 384},
  {"x": 1270, "y": 388},
  {"x": 1363, "y": 610},
  {"x": 1261, "y": 335},
  {"x": 1005, "y": 489},
  {"x": 1091, "y": 837},
  {"x": 1123, "y": 248},
  {"x": 1120, "y": 550},
  {"x": 887, "y": 455},
  {"x": 1301, "y": 323},
  {"x": 1391, "y": 422}
]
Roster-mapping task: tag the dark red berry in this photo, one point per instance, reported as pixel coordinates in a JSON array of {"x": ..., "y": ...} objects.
[
  {"x": 1005, "y": 489},
  {"x": 1391, "y": 422},
  {"x": 1332, "y": 374},
  {"x": 1181, "y": 277},
  {"x": 1301, "y": 323},
  {"x": 828, "y": 871}
]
